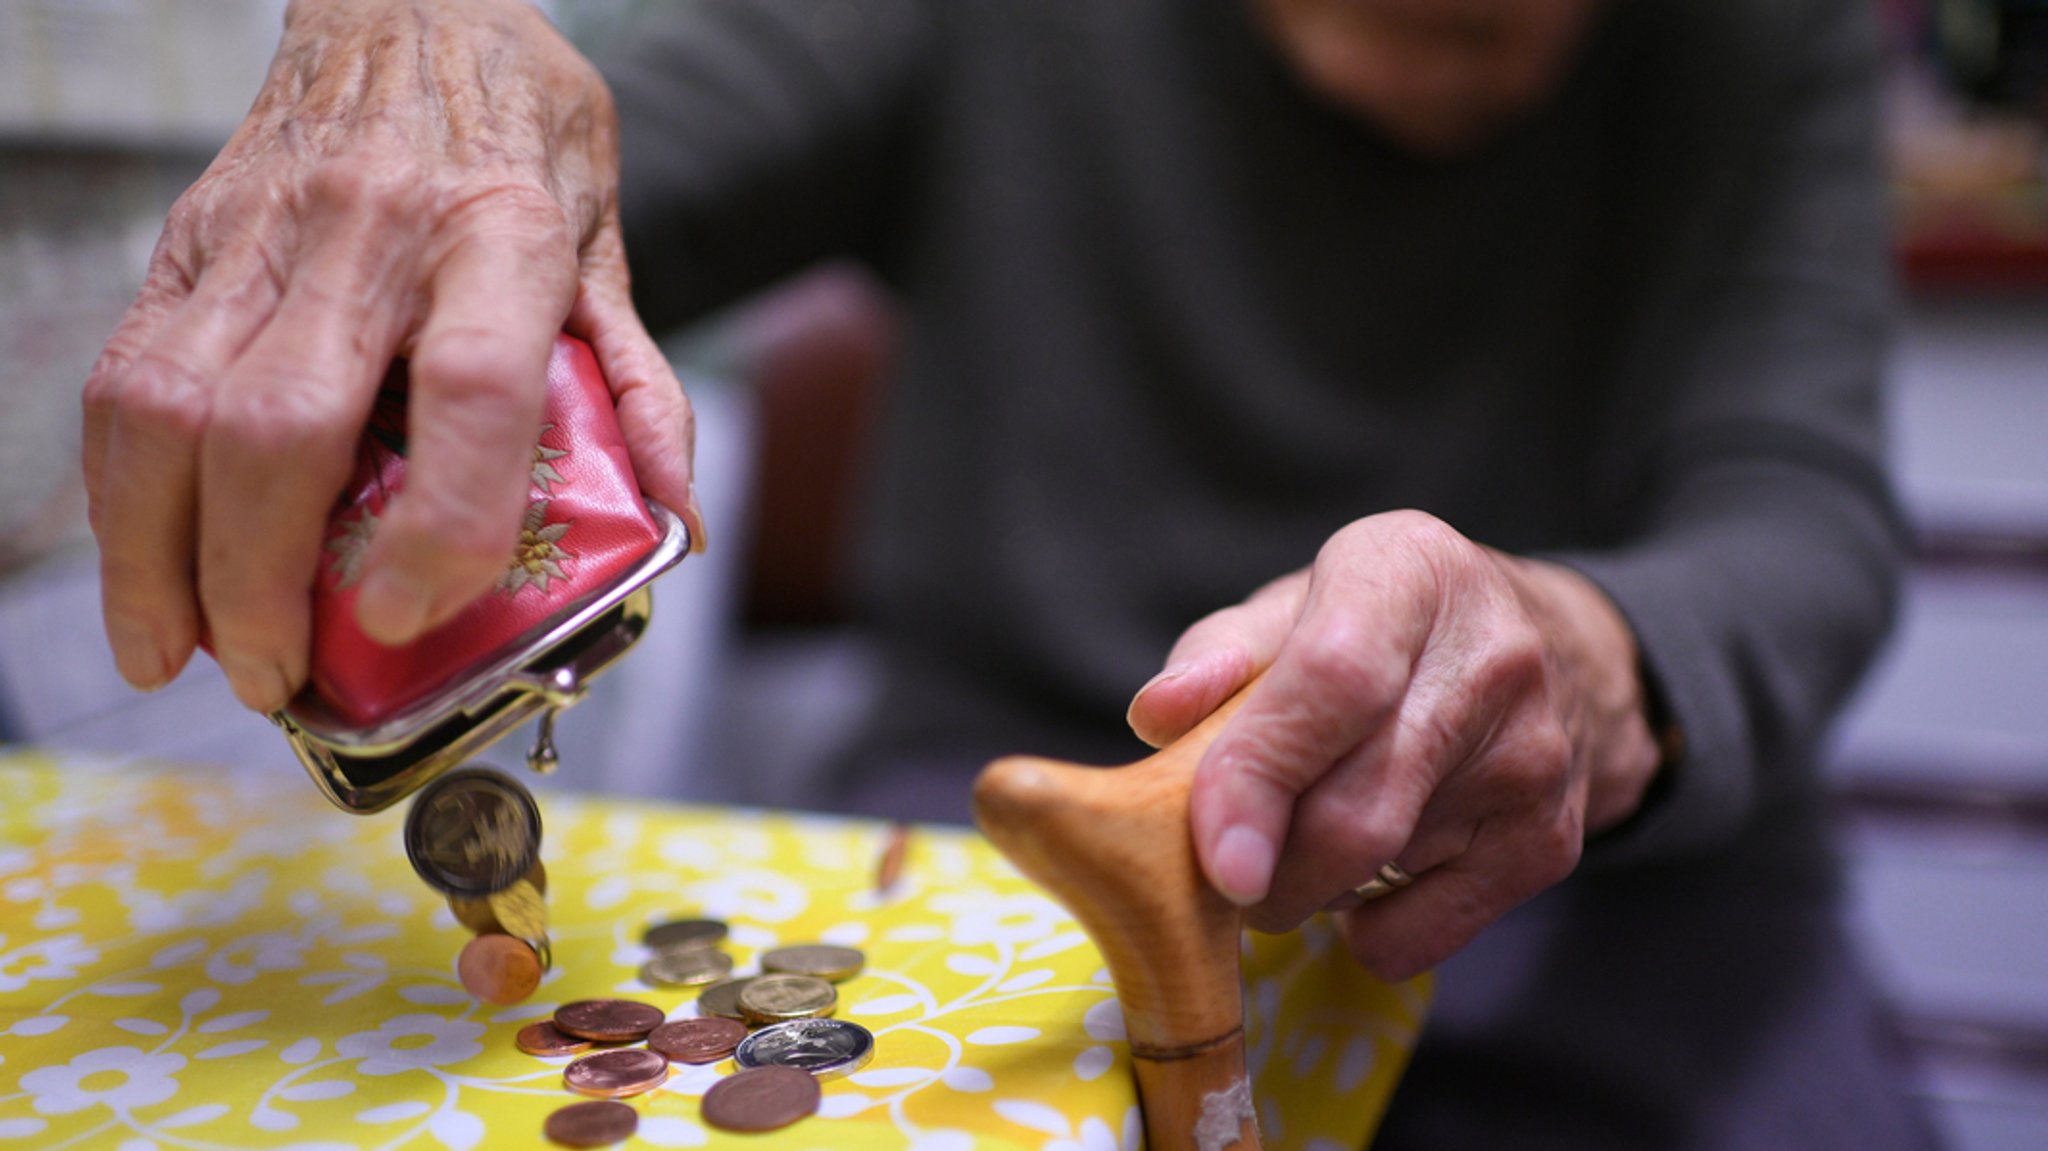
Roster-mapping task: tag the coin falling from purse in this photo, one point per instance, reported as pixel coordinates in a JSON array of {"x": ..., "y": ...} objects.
[{"x": 474, "y": 836}]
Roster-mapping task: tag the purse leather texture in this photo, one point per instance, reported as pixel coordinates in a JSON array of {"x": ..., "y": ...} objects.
[{"x": 586, "y": 525}]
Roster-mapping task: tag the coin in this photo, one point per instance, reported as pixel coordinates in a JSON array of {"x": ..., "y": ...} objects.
[
  {"x": 832, "y": 964},
  {"x": 598, "y": 1123},
  {"x": 543, "y": 1038},
  {"x": 696, "y": 1040},
  {"x": 774, "y": 998},
  {"x": 608, "y": 1020},
  {"x": 520, "y": 910},
  {"x": 474, "y": 914},
  {"x": 761, "y": 1099},
  {"x": 895, "y": 850},
  {"x": 822, "y": 1047},
  {"x": 691, "y": 968},
  {"x": 472, "y": 832},
  {"x": 616, "y": 1074},
  {"x": 677, "y": 934},
  {"x": 722, "y": 999},
  {"x": 498, "y": 969}
]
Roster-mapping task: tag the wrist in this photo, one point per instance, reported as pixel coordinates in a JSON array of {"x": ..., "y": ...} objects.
[{"x": 1620, "y": 736}]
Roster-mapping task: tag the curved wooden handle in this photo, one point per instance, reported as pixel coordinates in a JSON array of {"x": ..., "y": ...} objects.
[{"x": 1114, "y": 847}]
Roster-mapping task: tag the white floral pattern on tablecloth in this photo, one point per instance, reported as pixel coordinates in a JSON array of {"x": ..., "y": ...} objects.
[{"x": 188, "y": 962}]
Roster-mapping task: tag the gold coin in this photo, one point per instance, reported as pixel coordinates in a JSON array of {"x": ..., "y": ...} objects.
[
  {"x": 677, "y": 934},
  {"x": 520, "y": 910},
  {"x": 472, "y": 832},
  {"x": 691, "y": 968},
  {"x": 722, "y": 999},
  {"x": 475, "y": 914},
  {"x": 822, "y": 960},
  {"x": 776, "y": 998}
]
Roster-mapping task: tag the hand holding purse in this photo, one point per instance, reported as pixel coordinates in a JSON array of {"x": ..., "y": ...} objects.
[{"x": 375, "y": 722}]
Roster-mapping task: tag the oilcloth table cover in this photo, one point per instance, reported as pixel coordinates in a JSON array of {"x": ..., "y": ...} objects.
[{"x": 196, "y": 960}]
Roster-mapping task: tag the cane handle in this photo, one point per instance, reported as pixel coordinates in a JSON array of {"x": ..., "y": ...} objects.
[{"x": 1114, "y": 847}]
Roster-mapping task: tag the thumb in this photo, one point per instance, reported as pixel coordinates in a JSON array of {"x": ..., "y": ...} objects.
[{"x": 1214, "y": 658}]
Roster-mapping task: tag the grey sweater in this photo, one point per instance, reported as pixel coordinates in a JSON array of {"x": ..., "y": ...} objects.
[{"x": 1173, "y": 320}]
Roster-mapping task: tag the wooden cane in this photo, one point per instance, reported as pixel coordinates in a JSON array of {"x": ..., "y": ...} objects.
[{"x": 1114, "y": 846}]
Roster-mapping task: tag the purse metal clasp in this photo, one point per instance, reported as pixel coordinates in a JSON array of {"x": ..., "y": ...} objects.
[{"x": 364, "y": 770}]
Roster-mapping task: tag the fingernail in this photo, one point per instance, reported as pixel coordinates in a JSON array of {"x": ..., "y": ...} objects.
[
  {"x": 1131, "y": 717},
  {"x": 1172, "y": 672},
  {"x": 392, "y": 609},
  {"x": 1244, "y": 865},
  {"x": 138, "y": 658},
  {"x": 259, "y": 685},
  {"x": 700, "y": 536}
]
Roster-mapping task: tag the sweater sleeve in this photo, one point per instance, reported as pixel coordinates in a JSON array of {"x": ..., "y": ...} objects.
[
  {"x": 1760, "y": 557},
  {"x": 760, "y": 136}
]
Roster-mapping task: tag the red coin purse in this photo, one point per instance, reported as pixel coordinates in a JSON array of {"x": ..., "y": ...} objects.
[{"x": 375, "y": 722}]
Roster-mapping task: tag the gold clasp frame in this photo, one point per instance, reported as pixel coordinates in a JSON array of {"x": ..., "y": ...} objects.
[{"x": 363, "y": 770}]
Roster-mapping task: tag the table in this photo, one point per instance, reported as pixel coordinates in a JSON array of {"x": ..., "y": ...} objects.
[{"x": 191, "y": 959}]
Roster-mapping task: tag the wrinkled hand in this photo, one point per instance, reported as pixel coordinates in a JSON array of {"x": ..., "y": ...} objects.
[
  {"x": 428, "y": 180},
  {"x": 1465, "y": 714}
]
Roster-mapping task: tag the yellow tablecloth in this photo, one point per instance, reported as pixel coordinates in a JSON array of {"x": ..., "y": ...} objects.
[{"x": 192, "y": 962}]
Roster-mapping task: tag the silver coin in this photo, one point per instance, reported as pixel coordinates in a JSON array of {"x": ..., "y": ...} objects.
[{"x": 823, "y": 1047}]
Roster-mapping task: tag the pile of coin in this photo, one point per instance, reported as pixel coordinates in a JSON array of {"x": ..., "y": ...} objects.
[
  {"x": 686, "y": 953},
  {"x": 474, "y": 836},
  {"x": 793, "y": 1041}
]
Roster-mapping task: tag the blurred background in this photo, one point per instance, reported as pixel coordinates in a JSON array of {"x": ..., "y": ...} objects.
[{"x": 109, "y": 108}]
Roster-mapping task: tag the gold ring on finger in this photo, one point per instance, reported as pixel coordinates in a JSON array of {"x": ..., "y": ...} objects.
[{"x": 1389, "y": 879}]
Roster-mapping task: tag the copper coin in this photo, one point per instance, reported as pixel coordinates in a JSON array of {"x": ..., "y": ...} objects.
[
  {"x": 722, "y": 999},
  {"x": 678, "y": 934},
  {"x": 472, "y": 832},
  {"x": 775, "y": 998},
  {"x": 609, "y": 1020},
  {"x": 696, "y": 1040},
  {"x": 761, "y": 1099},
  {"x": 616, "y": 1074},
  {"x": 498, "y": 969},
  {"x": 889, "y": 869},
  {"x": 544, "y": 1039},
  {"x": 691, "y": 968},
  {"x": 598, "y": 1123},
  {"x": 826, "y": 962}
]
